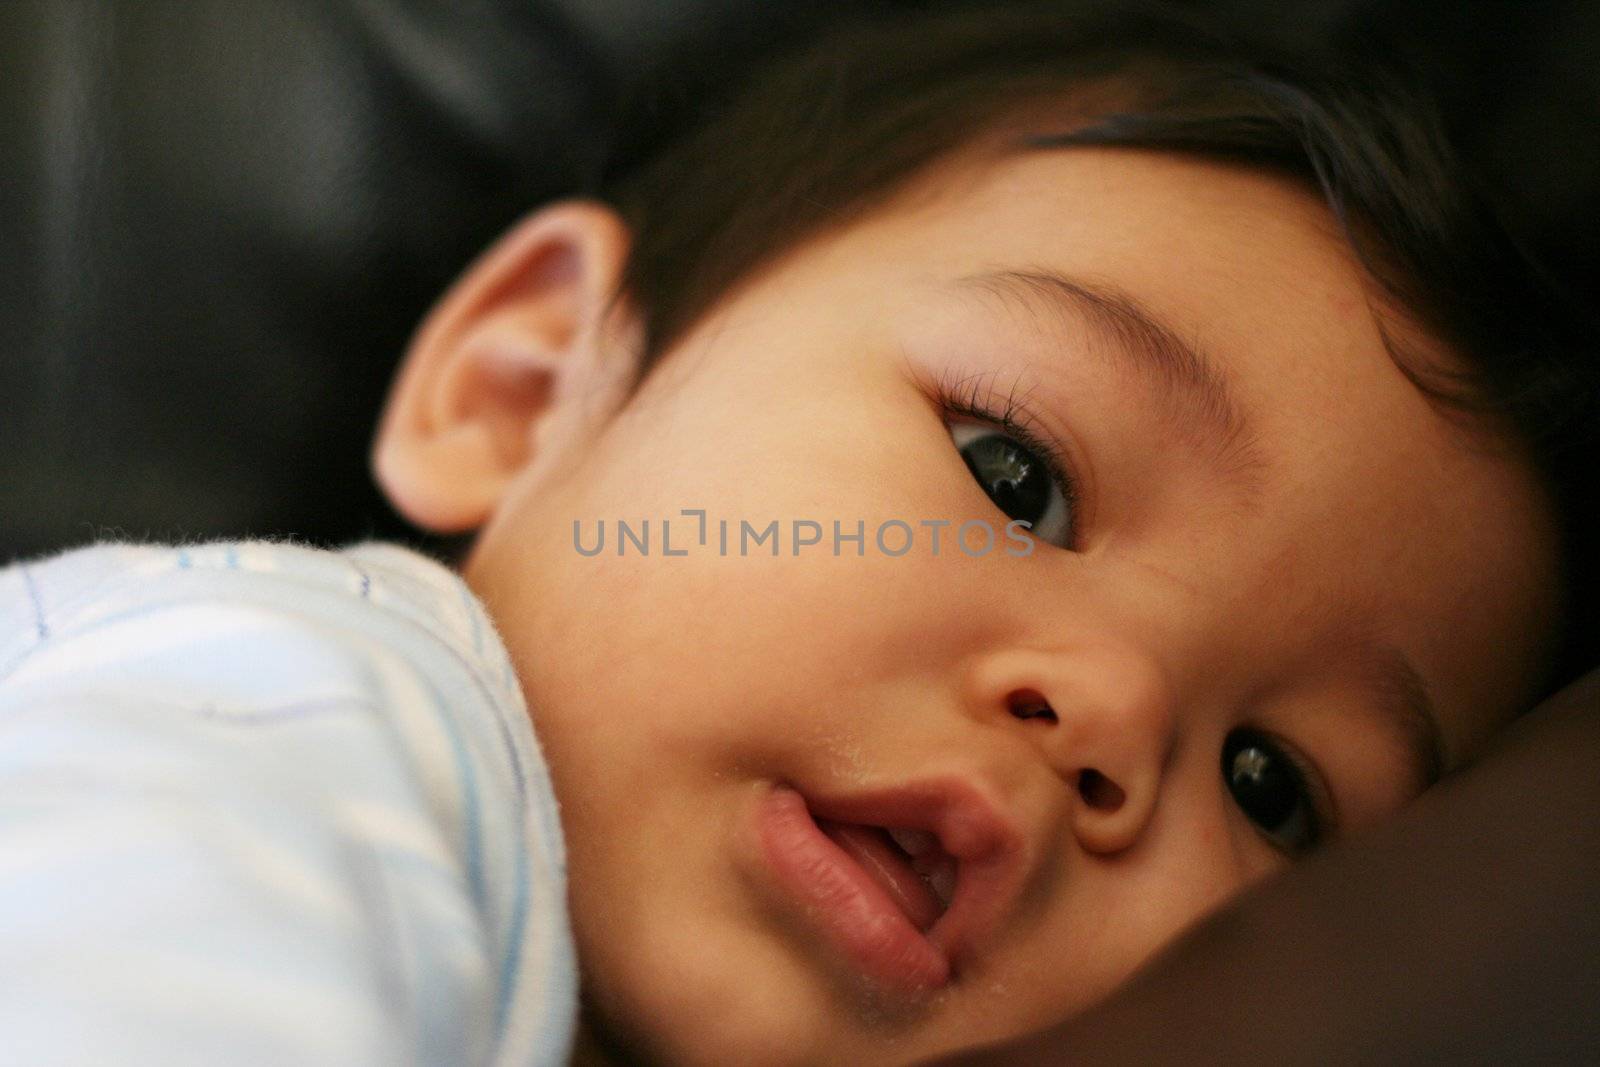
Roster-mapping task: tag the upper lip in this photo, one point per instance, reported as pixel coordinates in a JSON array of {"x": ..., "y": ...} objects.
[{"x": 971, "y": 827}]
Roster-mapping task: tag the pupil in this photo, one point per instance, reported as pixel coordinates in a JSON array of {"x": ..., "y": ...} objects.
[
  {"x": 1263, "y": 787},
  {"x": 1014, "y": 479}
]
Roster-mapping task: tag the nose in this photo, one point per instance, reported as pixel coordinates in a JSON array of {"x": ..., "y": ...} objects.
[{"x": 1101, "y": 715}]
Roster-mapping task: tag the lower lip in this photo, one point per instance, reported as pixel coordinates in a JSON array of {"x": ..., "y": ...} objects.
[{"x": 852, "y": 911}]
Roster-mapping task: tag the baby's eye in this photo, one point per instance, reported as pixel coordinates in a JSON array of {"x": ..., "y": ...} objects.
[
  {"x": 1270, "y": 788},
  {"x": 1018, "y": 479}
]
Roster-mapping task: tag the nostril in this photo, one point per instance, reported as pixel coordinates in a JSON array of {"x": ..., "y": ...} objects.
[
  {"x": 1100, "y": 792},
  {"x": 1027, "y": 704}
]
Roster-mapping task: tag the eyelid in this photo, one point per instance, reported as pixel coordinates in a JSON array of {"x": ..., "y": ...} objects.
[{"x": 975, "y": 397}]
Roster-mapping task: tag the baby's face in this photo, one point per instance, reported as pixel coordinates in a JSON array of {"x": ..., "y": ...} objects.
[{"x": 1216, "y": 652}]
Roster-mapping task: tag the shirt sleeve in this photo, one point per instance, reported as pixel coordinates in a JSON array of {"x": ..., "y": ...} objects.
[{"x": 251, "y": 833}]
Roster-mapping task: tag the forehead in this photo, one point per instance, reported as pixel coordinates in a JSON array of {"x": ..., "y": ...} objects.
[{"x": 1373, "y": 507}]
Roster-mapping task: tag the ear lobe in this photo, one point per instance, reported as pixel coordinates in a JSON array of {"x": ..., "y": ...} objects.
[{"x": 487, "y": 388}]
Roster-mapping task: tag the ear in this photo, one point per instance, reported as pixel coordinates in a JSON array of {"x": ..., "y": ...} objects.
[{"x": 523, "y": 353}]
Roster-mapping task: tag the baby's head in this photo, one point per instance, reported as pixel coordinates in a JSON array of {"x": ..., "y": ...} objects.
[{"x": 1294, "y": 552}]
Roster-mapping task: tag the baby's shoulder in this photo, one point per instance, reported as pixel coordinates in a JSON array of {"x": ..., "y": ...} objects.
[
  {"x": 269, "y": 662},
  {"x": 295, "y": 604}
]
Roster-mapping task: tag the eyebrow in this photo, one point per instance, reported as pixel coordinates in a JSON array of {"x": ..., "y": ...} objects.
[
  {"x": 1201, "y": 405},
  {"x": 1403, "y": 697},
  {"x": 1194, "y": 392}
]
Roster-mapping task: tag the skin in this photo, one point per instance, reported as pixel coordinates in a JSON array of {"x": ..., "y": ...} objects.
[{"x": 670, "y": 693}]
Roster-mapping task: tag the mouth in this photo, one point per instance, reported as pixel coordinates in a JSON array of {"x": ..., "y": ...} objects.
[
  {"x": 907, "y": 864},
  {"x": 900, "y": 883}
]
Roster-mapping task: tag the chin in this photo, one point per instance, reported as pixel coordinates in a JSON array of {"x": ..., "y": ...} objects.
[{"x": 687, "y": 1008}]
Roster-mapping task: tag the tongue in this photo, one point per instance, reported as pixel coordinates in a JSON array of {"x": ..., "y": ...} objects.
[{"x": 889, "y": 867}]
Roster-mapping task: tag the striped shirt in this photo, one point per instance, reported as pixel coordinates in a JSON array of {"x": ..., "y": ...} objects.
[{"x": 267, "y": 804}]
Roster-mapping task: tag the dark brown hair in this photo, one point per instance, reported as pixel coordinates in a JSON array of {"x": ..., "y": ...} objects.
[{"x": 820, "y": 136}]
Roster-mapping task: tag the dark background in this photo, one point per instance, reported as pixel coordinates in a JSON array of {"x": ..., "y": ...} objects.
[{"x": 221, "y": 219}]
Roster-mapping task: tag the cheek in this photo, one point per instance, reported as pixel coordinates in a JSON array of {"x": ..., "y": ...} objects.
[
  {"x": 860, "y": 448},
  {"x": 689, "y": 648},
  {"x": 721, "y": 666},
  {"x": 1107, "y": 916}
]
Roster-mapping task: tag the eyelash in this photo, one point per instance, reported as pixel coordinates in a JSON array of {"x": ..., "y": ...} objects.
[{"x": 974, "y": 397}]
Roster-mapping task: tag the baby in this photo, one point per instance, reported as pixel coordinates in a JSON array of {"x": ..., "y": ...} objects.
[{"x": 997, "y": 489}]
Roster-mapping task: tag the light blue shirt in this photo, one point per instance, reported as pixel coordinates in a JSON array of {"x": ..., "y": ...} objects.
[{"x": 267, "y": 804}]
